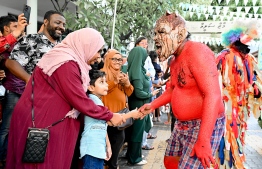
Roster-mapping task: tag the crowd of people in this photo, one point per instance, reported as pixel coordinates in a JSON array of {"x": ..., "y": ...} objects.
[{"x": 47, "y": 79}]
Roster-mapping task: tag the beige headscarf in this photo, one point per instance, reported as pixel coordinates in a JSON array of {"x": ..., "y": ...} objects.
[{"x": 79, "y": 46}]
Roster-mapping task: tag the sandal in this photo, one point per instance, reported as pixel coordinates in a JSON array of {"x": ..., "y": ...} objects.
[
  {"x": 150, "y": 136},
  {"x": 147, "y": 147}
]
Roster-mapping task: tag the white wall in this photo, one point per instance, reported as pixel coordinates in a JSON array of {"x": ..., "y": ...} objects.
[{"x": 5, "y": 10}]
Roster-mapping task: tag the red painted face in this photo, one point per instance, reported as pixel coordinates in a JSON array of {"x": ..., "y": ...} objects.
[{"x": 169, "y": 33}]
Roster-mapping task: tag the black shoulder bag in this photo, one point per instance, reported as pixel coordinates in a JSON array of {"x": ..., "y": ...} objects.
[{"x": 37, "y": 139}]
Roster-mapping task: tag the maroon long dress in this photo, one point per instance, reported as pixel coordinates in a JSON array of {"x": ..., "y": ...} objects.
[{"x": 54, "y": 97}]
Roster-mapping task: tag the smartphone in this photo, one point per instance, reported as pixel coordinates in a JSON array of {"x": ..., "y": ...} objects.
[{"x": 27, "y": 11}]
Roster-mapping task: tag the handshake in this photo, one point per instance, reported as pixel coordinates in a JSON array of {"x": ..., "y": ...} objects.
[{"x": 119, "y": 119}]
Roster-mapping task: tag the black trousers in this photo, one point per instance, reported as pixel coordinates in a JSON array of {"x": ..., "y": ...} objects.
[{"x": 116, "y": 138}]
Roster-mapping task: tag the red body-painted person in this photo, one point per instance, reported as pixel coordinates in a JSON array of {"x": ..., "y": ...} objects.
[{"x": 194, "y": 94}]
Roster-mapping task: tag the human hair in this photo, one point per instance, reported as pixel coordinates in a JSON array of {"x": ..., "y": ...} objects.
[
  {"x": 48, "y": 14},
  {"x": 153, "y": 55},
  {"x": 5, "y": 21},
  {"x": 94, "y": 75},
  {"x": 139, "y": 40}
]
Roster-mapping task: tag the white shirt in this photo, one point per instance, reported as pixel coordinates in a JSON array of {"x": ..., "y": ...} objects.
[{"x": 149, "y": 67}]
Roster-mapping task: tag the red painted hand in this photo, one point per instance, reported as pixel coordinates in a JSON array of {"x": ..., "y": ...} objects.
[{"x": 202, "y": 149}]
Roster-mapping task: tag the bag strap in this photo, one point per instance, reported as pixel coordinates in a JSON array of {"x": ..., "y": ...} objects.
[{"x": 33, "y": 114}]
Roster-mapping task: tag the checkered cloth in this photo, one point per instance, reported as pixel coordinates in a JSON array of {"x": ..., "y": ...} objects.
[{"x": 184, "y": 137}]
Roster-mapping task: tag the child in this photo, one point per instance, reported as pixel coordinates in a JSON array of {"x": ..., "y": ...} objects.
[{"x": 94, "y": 144}]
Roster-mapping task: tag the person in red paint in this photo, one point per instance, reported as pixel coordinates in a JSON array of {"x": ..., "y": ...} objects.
[{"x": 194, "y": 94}]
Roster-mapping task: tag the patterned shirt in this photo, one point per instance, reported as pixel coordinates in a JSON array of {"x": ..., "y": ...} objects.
[
  {"x": 30, "y": 49},
  {"x": 27, "y": 51}
]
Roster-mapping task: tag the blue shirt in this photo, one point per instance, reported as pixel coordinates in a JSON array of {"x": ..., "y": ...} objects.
[{"x": 93, "y": 140}]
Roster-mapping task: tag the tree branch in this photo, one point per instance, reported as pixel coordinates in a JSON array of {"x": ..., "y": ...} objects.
[
  {"x": 54, "y": 5},
  {"x": 65, "y": 5},
  {"x": 58, "y": 5},
  {"x": 126, "y": 36}
]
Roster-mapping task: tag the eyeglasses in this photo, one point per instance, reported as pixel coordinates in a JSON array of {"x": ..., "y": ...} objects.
[
  {"x": 143, "y": 43},
  {"x": 117, "y": 60}
]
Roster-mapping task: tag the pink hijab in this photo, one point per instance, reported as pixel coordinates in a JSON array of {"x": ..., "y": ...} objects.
[{"x": 79, "y": 46}]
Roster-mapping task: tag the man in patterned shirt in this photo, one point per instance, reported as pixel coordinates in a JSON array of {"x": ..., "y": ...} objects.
[{"x": 28, "y": 51}]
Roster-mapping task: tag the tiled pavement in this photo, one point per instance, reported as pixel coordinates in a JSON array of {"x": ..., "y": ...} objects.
[
  {"x": 154, "y": 157},
  {"x": 253, "y": 146}
]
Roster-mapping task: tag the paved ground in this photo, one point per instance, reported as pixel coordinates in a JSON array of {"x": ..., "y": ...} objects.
[{"x": 154, "y": 157}]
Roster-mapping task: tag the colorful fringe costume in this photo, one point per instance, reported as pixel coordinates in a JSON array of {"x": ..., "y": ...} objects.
[{"x": 241, "y": 86}]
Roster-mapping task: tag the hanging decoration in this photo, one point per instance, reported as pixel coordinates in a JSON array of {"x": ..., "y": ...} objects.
[
  {"x": 190, "y": 8},
  {"x": 239, "y": 8},
  {"x": 206, "y": 15},
  {"x": 225, "y": 10},
  {"x": 187, "y": 6},
  {"x": 217, "y": 10},
  {"x": 237, "y": 14},
  {"x": 227, "y": 1},
  {"x": 228, "y": 18},
  {"x": 214, "y": 17},
  {"x": 218, "y": 41},
  {"x": 191, "y": 14},
  {"x": 210, "y": 10},
  {"x": 245, "y": 2},
  {"x": 247, "y": 8},
  {"x": 195, "y": 7},
  {"x": 204, "y": 10},
  {"x": 181, "y": 5},
  {"x": 255, "y": 8},
  {"x": 236, "y": 1},
  {"x": 231, "y": 14},
  {"x": 198, "y": 15},
  {"x": 241, "y": 11},
  {"x": 244, "y": 16},
  {"x": 254, "y": 2}
]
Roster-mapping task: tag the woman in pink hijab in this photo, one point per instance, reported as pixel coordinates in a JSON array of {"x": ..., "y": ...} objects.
[{"x": 59, "y": 88}]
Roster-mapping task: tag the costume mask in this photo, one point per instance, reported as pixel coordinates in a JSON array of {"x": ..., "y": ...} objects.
[{"x": 169, "y": 34}]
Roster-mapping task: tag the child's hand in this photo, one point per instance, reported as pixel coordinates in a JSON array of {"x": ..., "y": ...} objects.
[
  {"x": 108, "y": 153},
  {"x": 136, "y": 114}
]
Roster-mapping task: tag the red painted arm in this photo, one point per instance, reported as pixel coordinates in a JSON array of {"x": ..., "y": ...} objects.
[
  {"x": 162, "y": 99},
  {"x": 203, "y": 67}
]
